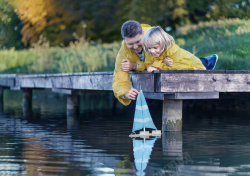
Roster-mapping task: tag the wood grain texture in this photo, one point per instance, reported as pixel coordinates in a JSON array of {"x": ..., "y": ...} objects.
[
  {"x": 181, "y": 95},
  {"x": 84, "y": 81},
  {"x": 7, "y": 80},
  {"x": 164, "y": 81},
  {"x": 203, "y": 82}
]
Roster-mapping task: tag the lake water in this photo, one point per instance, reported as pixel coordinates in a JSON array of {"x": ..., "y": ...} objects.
[{"x": 46, "y": 141}]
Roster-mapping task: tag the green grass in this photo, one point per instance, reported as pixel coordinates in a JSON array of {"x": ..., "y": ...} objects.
[
  {"x": 78, "y": 57},
  {"x": 229, "y": 38}
]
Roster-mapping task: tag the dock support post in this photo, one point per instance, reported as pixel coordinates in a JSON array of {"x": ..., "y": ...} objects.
[
  {"x": 172, "y": 145},
  {"x": 172, "y": 115},
  {"x": 73, "y": 104},
  {"x": 27, "y": 100},
  {"x": 1, "y": 99}
]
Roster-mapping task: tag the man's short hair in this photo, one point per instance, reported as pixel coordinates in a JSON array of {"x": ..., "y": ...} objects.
[{"x": 130, "y": 29}]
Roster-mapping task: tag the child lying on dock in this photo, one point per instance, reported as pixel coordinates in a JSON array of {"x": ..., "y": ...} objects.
[{"x": 162, "y": 45}]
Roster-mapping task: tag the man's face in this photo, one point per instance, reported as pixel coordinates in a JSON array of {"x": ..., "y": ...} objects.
[{"x": 134, "y": 43}]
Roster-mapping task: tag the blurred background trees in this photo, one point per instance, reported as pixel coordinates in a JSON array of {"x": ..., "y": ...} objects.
[{"x": 22, "y": 22}]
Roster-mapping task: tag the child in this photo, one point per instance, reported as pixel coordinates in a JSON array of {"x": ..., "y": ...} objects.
[{"x": 162, "y": 45}]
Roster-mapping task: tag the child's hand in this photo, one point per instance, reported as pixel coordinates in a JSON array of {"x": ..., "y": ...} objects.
[
  {"x": 168, "y": 61},
  {"x": 151, "y": 69}
]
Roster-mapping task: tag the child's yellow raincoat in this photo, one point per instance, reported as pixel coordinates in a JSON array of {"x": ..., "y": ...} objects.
[{"x": 182, "y": 60}]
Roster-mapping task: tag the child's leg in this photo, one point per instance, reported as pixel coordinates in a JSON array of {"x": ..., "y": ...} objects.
[{"x": 210, "y": 61}]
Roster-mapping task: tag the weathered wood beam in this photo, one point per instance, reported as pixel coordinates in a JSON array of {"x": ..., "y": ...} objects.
[
  {"x": 172, "y": 115},
  {"x": 84, "y": 81},
  {"x": 74, "y": 91},
  {"x": 181, "y": 95},
  {"x": 172, "y": 145},
  {"x": 65, "y": 91},
  {"x": 27, "y": 101},
  {"x": 73, "y": 104},
  {"x": 142, "y": 81},
  {"x": 202, "y": 81},
  {"x": 1, "y": 99},
  {"x": 7, "y": 80}
]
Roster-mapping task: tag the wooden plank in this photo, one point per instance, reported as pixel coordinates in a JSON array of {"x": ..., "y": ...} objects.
[
  {"x": 7, "y": 80},
  {"x": 203, "y": 71},
  {"x": 34, "y": 82},
  {"x": 162, "y": 81},
  {"x": 181, "y": 95},
  {"x": 192, "y": 95},
  {"x": 203, "y": 82},
  {"x": 71, "y": 91},
  {"x": 62, "y": 91},
  {"x": 86, "y": 82},
  {"x": 142, "y": 81}
]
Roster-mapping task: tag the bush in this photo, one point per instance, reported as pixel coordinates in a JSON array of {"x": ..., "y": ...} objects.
[{"x": 227, "y": 38}]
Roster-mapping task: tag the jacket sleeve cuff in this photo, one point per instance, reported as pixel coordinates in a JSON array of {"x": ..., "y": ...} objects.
[{"x": 157, "y": 64}]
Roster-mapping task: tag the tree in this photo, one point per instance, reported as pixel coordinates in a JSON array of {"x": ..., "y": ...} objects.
[
  {"x": 157, "y": 12},
  {"x": 230, "y": 9},
  {"x": 57, "y": 20},
  {"x": 10, "y": 26}
]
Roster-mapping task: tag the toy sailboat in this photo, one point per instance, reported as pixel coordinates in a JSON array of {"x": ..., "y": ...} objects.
[{"x": 142, "y": 119}]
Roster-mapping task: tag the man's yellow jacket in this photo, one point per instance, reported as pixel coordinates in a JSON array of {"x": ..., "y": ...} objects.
[
  {"x": 121, "y": 80},
  {"x": 182, "y": 60}
]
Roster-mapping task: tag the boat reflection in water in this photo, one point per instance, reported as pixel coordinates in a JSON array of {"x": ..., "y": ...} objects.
[{"x": 142, "y": 151}]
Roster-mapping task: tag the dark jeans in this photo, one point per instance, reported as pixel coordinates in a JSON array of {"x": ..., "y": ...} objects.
[{"x": 204, "y": 61}]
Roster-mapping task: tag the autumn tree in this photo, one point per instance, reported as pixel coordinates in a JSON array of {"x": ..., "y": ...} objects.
[
  {"x": 57, "y": 20},
  {"x": 60, "y": 21}
]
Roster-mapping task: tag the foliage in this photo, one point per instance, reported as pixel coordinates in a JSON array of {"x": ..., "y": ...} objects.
[
  {"x": 230, "y": 9},
  {"x": 55, "y": 19},
  {"x": 229, "y": 38},
  {"x": 58, "y": 20},
  {"x": 10, "y": 26},
  {"x": 79, "y": 56}
]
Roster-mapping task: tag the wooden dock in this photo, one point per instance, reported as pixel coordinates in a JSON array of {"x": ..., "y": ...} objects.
[{"x": 172, "y": 87}]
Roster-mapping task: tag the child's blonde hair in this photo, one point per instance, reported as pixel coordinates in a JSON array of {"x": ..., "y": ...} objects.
[{"x": 156, "y": 35}]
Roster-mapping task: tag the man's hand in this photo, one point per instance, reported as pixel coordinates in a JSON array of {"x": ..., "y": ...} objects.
[
  {"x": 151, "y": 69},
  {"x": 127, "y": 65},
  {"x": 168, "y": 61},
  {"x": 132, "y": 94}
]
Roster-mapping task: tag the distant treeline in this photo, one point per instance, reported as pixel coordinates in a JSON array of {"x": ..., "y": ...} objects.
[
  {"x": 22, "y": 23},
  {"x": 229, "y": 38}
]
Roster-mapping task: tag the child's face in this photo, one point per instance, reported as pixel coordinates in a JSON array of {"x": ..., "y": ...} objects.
[{"x": 155, "y": 50}]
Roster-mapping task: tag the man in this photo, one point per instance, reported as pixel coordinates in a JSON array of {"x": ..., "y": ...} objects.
[{"x": 131, "y": 57}]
